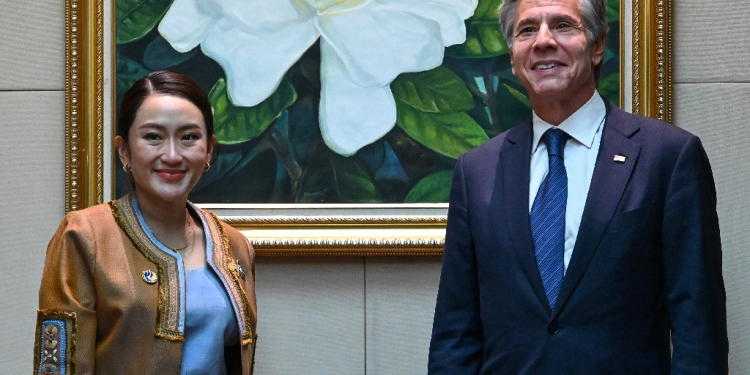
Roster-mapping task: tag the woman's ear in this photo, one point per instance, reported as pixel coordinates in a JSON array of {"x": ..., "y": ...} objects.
[
  {"x": 122, "y": 150},
  {"x": 210, "y": 148}
]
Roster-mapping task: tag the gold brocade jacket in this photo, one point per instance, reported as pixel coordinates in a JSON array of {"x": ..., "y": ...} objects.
[{"x": 112, "y": 299}]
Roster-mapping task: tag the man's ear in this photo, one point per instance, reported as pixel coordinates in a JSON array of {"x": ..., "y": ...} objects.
[
  {"x": 512, "y": 67},
  {"x": 122, "y": 150},
  {"x": 597, "y": 52}
]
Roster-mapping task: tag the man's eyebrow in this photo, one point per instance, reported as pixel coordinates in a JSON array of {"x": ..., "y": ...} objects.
[
  {"x": 525, "y": 21},
  {"x": 565, "y": 18}
]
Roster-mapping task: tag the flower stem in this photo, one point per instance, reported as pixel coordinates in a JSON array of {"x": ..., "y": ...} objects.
[
  {"x": 491, "y": 102},
  {"x": 283, "y": 151}
]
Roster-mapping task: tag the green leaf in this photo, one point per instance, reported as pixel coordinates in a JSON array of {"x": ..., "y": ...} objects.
[
  {"x": 517, "y": 94},
  {"x": 608, "y": 54},
  {"x": 483, "y": 36},
  {"x": 128, "y": 72},
  {"x": 609, "y": 87},
  {"x": 230, "y": 160},
  {"x": 239, "y": 124},
  {"x": 449, "y": 134},
  {"x": 333, "y": 178},
  {"x": 613, "y": 11},
  {"x": 159, "y": 54},
  {"x": 135, "y": 18},
  {"x": 487, "y": 10},
  {"x": 433, "y": 188},
  {"x": 483, "y": 39},
  {"x": 438, "y": 91},
  {"x": 512, "y": 106}
]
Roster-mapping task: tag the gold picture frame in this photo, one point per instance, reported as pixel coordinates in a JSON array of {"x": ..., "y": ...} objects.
[{"x": 362, "y": 229}]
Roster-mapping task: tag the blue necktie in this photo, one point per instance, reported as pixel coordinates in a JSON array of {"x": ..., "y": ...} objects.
[{"x": 548, "y": 216}]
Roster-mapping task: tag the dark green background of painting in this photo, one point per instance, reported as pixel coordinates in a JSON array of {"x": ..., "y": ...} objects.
[{"x": 274, "y": 153}]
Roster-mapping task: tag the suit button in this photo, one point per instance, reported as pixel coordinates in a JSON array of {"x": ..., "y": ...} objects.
[{"x": 553, "y": 330}]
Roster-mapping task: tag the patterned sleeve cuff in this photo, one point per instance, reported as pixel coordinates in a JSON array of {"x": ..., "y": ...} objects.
[{"x": 55, "y": 343}]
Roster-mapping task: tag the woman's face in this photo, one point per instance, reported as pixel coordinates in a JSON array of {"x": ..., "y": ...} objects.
[{"x": 167, "y": 148}]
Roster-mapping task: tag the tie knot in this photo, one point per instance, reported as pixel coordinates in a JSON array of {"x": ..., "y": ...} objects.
[{"x": 555, "y": 140}]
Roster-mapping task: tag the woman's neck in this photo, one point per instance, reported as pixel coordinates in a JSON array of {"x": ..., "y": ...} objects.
[{"x": 165, "y": 219}]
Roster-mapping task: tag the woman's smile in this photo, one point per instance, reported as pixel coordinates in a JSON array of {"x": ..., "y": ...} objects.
[{"x": 171, "y": 175}]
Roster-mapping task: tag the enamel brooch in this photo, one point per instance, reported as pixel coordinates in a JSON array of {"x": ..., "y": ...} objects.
[{"x": 149, "y": 277}]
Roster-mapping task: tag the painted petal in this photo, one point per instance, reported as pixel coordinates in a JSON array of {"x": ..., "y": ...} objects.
[
  {"x": 450, "y": 14},
  {"x": 185, "y": 24},
  {"x": 265, "y": 16},
  {"x": 255, "y": 63},
  {"x": 377, "y": 44},
  {"x": 351, "y": 116},
  {"x": 464, "y": 8}
]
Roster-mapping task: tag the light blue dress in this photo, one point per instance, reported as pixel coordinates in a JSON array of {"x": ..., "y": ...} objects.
[{"x": 210, "y": 324}]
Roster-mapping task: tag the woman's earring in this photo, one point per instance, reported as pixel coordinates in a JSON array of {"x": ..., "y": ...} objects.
[
  {"x": 206, "y": 167},
  {"x": 127, "y": 168}
]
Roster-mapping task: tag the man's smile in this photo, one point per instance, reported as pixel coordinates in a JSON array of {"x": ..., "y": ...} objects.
[{"x": 546, "y": 66}]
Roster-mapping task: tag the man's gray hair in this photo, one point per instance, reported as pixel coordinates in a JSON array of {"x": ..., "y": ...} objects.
[{"x": 594, "y": 14}]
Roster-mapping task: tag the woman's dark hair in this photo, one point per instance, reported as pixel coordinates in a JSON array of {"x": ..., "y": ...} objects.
[{"x": 163, "y": 82}]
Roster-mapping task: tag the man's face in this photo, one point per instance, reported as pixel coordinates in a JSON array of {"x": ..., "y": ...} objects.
[{"x": 550, "y": 54}]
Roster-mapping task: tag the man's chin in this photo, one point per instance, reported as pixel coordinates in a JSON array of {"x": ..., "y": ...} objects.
[{"x": 547, "y": 93}]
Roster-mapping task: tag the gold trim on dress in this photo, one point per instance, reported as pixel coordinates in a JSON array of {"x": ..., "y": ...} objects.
[
  {"x": 168, "y": 314},
  {"x": 223, "y": 261}
]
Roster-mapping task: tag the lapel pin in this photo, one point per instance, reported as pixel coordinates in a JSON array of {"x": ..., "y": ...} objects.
[
  {"x": 238, "y": 268},
  {"x": 149, "y": 277},
  {"x": 620, "y": 158}
]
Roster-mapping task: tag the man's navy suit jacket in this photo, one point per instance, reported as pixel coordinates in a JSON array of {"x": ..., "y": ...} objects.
[{"x": 646, "y": 266}]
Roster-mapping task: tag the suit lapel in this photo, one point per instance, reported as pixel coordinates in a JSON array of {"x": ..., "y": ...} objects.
[
  {"x": 607, "y": 186},
  {"x": 516, "y": 161}
]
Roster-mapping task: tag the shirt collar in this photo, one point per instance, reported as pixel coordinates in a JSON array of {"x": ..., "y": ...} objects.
[{"x": 582, "y": 125}]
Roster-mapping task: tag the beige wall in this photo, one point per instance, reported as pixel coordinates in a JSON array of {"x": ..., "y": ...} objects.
[
  {"x": 349, "y": 315},
  {"x": 712, "y": 88}
]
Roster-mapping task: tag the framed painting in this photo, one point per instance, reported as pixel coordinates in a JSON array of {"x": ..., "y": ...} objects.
[{"x": 337, "y": 135}]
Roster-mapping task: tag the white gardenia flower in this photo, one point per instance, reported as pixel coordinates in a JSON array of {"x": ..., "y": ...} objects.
[{"x": 364, "y": 45}]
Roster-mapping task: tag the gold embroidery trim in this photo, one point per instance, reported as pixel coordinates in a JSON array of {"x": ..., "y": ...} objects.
[
  {"x": 167, "y": 316},
  {"x": 71, "y": 327},
  {"x": 236, "y": 285}
]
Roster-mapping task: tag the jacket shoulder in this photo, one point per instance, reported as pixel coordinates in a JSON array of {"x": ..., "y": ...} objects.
[
  {"x": 647, "y": 130},
  {"x": 88, "y": 220},
  {"x": 99, "y": 209}
]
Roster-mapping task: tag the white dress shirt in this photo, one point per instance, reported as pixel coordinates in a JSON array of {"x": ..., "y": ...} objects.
[{"x": 585, "y": 129}]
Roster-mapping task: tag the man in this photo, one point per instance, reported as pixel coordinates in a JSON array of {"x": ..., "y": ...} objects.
[{"x": 586, "y": 242}]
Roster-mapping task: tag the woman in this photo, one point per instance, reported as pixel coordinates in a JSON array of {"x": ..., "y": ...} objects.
[{"x": 150, "y": 283}]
